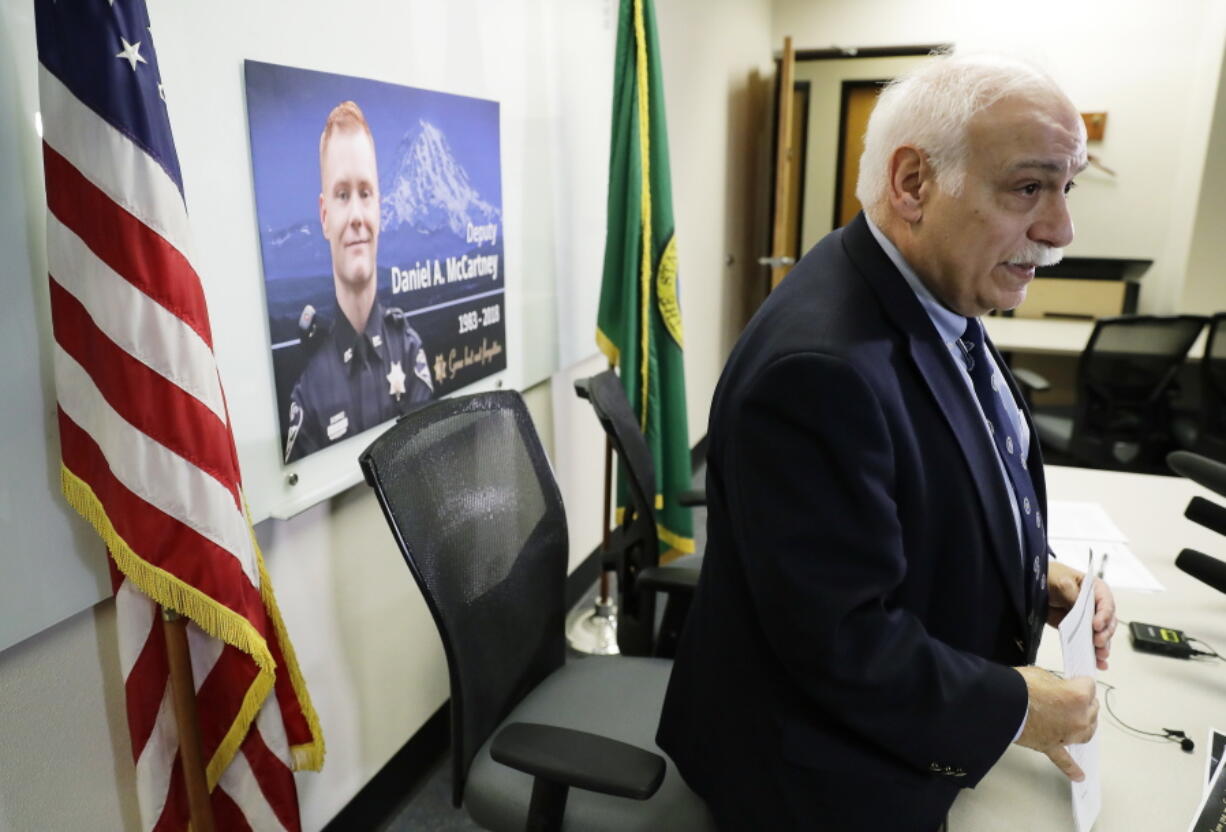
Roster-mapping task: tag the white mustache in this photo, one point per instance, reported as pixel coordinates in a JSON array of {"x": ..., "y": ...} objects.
[{"x": 1036, "y": 254}]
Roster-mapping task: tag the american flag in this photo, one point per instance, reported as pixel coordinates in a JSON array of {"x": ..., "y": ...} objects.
[{"x": 148, "y": 455}]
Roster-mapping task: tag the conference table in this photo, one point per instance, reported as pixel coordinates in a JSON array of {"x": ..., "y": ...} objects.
[
  {"x": 1054, "y": 336},
  {"x": 1148, "y": 784}
]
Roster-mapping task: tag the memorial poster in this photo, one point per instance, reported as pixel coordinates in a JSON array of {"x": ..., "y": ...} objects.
[{"x": 380, "y": 232}]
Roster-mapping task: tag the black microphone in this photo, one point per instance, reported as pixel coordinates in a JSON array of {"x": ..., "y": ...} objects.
[
  {"x": 1208, "y": 514},
  {"x": 1203, "y": 568},
  {"x": 1200, "y": 469}
]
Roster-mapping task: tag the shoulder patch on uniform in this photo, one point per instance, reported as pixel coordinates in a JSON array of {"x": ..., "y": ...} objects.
[
  {"x": 295, "y": 425},
  {"x": 421, "y": 368}
]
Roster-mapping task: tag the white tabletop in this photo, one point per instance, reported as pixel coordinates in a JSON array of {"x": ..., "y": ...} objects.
[
  {"x": 1053, "y": 335},
  {"x": 1148, "y": 784}
]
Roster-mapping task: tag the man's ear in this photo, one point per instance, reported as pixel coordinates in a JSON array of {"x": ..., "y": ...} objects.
[
  {"x": 323, "y": 216},
  {"x": 909, "y": 185}
]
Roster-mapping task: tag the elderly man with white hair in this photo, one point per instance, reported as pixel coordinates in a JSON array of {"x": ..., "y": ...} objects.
[{"x": 876, "y": 579}]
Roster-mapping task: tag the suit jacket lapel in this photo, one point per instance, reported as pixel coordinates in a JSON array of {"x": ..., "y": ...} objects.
[{"x": 953, "y": 397}]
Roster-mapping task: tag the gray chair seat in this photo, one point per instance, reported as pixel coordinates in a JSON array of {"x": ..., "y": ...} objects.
[
  {"x": 591, "y": 694},
  {"x": 1054, "y": 431}
]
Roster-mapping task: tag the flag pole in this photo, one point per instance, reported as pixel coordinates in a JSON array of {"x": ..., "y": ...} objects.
[
  {"x": 607, "y": 519},
  {"x": 183, "y": 692},
  {"x": 595, "y": 631}
]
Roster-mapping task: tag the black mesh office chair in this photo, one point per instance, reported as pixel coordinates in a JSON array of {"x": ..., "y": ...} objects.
[
  {"x": 1121, "y": 418},
  {"x": 470, "y": 499},
  {"x": 634, "y": 545}
]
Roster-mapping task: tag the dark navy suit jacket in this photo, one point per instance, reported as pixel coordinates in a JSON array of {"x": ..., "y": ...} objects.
[{"x": 845, "y": 661}]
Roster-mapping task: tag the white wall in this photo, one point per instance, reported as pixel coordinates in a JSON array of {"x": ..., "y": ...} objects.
[
  {"x": 65, "y": 758},
  {"x": 365, "y": 641},
  {"x": 1204, "y": 290},
  {"x": 582, "y": 81},
  {"x": 1152, "y": 66}
]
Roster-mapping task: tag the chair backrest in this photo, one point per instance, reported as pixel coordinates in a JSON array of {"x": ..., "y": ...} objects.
[
  {"x": 471, "y": 500},
  {"x": 1213, "y": 380},
  {"x": 1125, "y": 374},
  {"x": 637, "y": 540}
]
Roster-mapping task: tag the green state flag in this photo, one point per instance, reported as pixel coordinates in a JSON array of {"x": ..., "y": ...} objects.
[{"x": 639, "y": 323}]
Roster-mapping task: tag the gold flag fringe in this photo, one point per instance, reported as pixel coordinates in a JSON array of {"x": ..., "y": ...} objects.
[
  {"x": 307, "y": 756},
  {"x": 678, "y": 544},
  {"x": 606, "y": 345},
  {"x": 212, "y": 618}
]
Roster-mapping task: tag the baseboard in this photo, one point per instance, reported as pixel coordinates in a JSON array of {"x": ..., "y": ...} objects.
[{"x": 371, "y": 807}]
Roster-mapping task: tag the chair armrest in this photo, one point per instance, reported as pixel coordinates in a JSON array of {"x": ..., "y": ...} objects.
[
  {"x": 693, "y": 497},
  {"x": 1031, "y": 380},
  {"x": 577, "y": 758},
  {"x": 670, "y": 579}
]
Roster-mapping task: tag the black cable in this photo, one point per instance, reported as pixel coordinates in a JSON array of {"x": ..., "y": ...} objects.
[
  {"x": 1167, "y": 734},
  {"x": 1210, "y": 653}
]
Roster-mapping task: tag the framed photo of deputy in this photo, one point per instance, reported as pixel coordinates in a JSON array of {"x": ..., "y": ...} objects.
[{"x": 380, "y": 231}]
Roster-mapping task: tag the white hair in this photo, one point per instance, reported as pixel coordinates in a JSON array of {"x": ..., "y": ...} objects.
[{"x": 930, "y": 108}]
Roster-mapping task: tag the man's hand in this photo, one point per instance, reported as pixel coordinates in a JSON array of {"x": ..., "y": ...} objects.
[
  {"x": 1063, "y": 587},
  {"x": 1060, "y": 712}
]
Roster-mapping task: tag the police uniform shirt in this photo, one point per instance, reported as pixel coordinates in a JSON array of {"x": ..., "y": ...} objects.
[{"x": 354, "y": 381}]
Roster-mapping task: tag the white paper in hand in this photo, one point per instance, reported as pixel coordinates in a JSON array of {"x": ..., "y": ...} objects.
[{"x": 1077, "y": 642}]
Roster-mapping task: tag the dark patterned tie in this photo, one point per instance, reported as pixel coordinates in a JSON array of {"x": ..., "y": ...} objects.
[{"x": 987, "y": 382}]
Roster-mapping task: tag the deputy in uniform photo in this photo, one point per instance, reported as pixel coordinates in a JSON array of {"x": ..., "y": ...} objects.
[{"x": 366, "y": 364}]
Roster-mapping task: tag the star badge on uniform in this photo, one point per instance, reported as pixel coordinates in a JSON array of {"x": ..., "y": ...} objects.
[{"x": 395, "y": 380}]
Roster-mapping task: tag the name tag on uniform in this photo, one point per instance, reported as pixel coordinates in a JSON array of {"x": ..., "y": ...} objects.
[{"x": 338, "y": 426}]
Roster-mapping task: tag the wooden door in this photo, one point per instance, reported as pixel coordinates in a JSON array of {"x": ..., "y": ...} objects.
[
  {"x": 787, "y": 196},
  {"x": 859, "y": 98}
]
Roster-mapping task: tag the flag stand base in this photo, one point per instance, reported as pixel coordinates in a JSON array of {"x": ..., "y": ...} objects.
[{"x": 594, "y": 631}]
